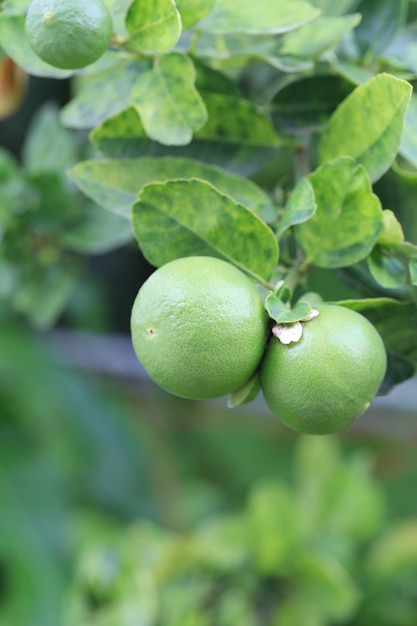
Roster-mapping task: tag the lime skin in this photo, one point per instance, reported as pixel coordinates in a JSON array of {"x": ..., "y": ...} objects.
[
  {"x": 199, "y": 327},
  {"x": 68, "y": 34},
  {"x": 327, "y": 379}
]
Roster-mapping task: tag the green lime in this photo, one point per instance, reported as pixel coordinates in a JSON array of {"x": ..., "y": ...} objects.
[
  {"x": 68, "y": 34},
  {"x": 199, "y": 327},
  {"x": 328, "y": 378}
]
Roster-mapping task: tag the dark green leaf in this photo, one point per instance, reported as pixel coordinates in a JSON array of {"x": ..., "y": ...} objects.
[
  {"x": 154, "y": 26},
  {"x": 266, "y": 16},
  {"x": 368, "y": 125},
  {"x": 115, "y": 184},
  {"x": 387, "y": 270},
  {"x": 348, "y": 219},
  {"x": 309, "y": 101},
  {"x": 395, "y": 321},
  {"x": 300, "y": 207},
  {"x": 167, "y": 101},
  {"x": 187, "y": 217}
]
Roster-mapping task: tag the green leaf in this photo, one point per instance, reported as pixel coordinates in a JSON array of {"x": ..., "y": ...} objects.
[
  {"x": 186, "y": 217},
  {"x": 295, "y": 609},
  {"x": 266, "y": 16},
  {"x": 309, "y": 101},
  {"x": 395, "y": 552},
  {"x": 274, "y": 525},
  {"x": 103, "y": 95},
  {"x": 97, "y": 232},
  {"x": 165, "y": 97},
  {"x": 392, "y": 232},
  {"x": 115, "y": 184},
  {"x": 15, "y": 7},
  {"x": 368, "y": 125},
  {"x": 381, "y": 20},
  {"x": 43, "y": 297},
  {"x": 13, "y": 40},
  {"x": 237, "y": 136},
  {"x": 35, "y": 577},
  {"x": 312, "y": 39},
  {"x": 223, "y": 543},
  {"x": 192, "y": 11},
  {"x": 402, "y": 51},
  {"x": 412, "y": 266},
  {"x": 330, "y": 7},
  {"x": 40, "y": 154},
  {"x": 348, "y": 219},
  {"x": 300, "y": 206},
  {"x": 329, "y": 586},
  {"x": 389, "y": 271},
  {"x": 352, "y": 72},
  {"x": 395, "y": 321},
  {"x": 245, "y": 394},
  {"x": 282, "y": 313},
  {"x": 317, "y": 461},
  {"x": 154, "y": 26},
  {"x": 408, "y": 146}
]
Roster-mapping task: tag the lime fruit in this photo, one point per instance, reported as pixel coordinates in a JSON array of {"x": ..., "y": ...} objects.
[
  {"x": 199, "y": 327},
  {"x": 327, "y": 379},
  {"x": 68, "y": 34}
]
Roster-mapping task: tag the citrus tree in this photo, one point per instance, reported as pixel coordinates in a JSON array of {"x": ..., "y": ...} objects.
[{"x": 280, "y": 138}]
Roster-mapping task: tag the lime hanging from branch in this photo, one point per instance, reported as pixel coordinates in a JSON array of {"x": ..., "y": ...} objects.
[
  {"x": 325, "y": 380},
  {"x": 199, "y": 327},
  {"x": 68, "y": 34}
]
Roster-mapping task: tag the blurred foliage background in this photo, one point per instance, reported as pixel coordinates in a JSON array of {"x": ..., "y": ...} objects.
[{"x": 120, "y": 505}]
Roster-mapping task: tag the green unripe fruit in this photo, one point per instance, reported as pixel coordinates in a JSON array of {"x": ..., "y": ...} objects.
[
  {"x": 199, "y": 327},
  {"x": 68, "y": 34},
  {"x": 327, "y": 379}
]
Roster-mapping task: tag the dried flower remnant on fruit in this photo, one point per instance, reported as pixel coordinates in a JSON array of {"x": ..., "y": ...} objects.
[
  {"x": 291, "y": 333},
  {"x": 288, "y": 333}
]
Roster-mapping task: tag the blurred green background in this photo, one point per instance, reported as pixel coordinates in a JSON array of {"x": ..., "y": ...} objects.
[{"x": 121, "y": 505}]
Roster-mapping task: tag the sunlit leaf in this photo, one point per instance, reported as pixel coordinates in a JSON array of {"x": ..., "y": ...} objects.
[
  {"x": 190, "y": 217},
  {"x": 368, "y": 125},
  {"x": 154, "y": 25},
  {"x": 165, "y": 97},
  {"x": 266, "y": 16},
  {"x": 115, "y": 184},
  {"x": 348, "y": 219}
]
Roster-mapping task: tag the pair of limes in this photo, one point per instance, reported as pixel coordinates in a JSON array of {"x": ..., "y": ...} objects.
[
  {"x": 200, "y": 329},
  {"x": 68, "y": 34}
]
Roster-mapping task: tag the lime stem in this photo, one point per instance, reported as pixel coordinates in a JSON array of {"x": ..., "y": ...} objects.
[{"x": 297, "y": 270}]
